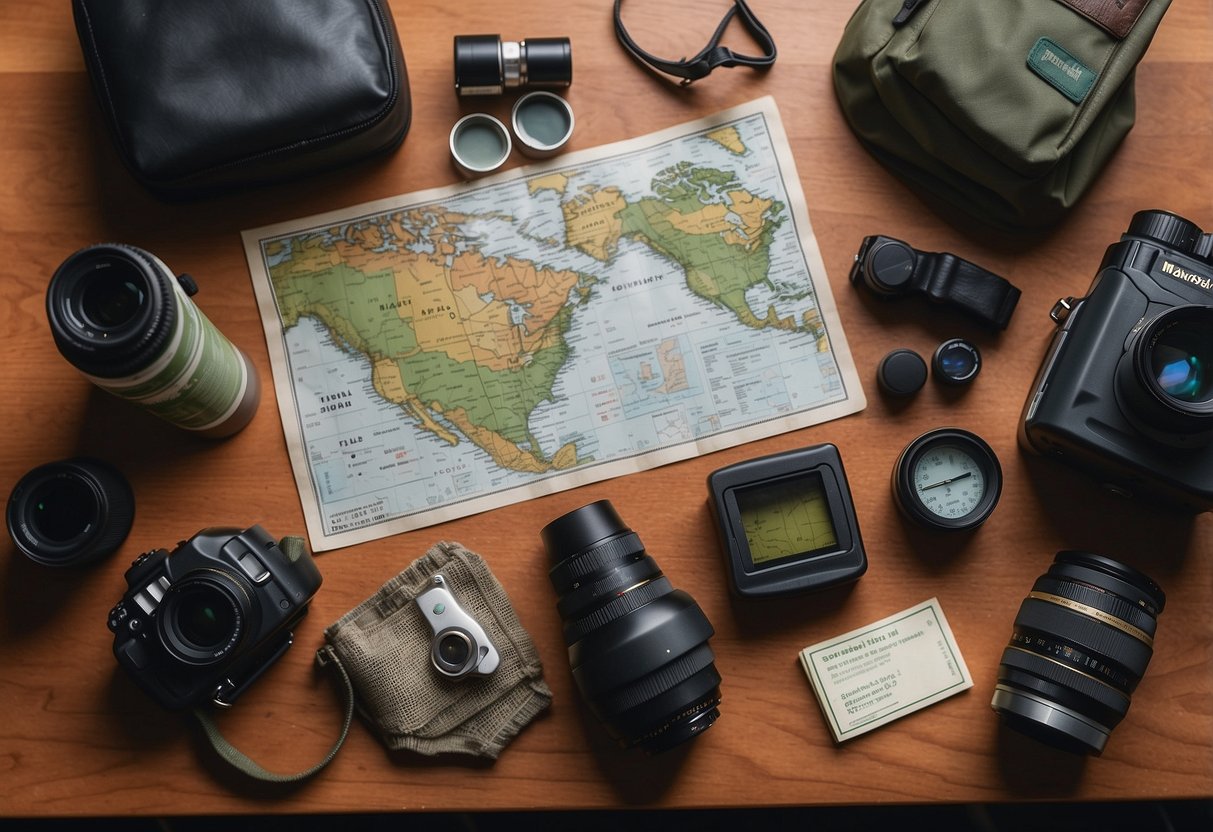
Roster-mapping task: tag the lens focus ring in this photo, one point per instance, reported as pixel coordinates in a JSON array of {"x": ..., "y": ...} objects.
[
  {"x": 606, "y": 555},
  {"x": 629, "y": 601}
]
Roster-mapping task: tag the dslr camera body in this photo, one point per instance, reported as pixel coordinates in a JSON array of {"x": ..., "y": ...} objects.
[
  {"x": 201, "y": 623},
  {"x": 1126, "y": 388}
]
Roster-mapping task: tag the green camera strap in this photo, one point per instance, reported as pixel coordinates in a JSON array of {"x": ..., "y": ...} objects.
[{"x": 247, "y": 765}]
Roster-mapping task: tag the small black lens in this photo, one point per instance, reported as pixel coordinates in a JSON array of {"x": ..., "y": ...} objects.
[
  {"x": 112, "y": 297},
  {"x": 637, "y": 646},
  {"x": 62, "y": 509},
  {"x": 454, "y": 649},
  {"x": 70, "y": 512},
  {"x": 956, "y": 361},
  {"x": 1080, "y": 645}
]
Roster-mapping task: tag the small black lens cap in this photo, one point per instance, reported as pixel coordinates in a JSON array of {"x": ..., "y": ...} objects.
[
  {"x": 891, "y": 265},
  {"x": 902, "y": 373},
  {"x": 956, "y": 362}
]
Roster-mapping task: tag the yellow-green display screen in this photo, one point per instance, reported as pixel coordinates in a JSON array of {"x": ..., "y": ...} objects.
[{"x": 785, "y": 518}]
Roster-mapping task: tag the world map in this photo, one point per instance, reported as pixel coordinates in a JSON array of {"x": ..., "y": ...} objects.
[{"x": 443, "y": 353}]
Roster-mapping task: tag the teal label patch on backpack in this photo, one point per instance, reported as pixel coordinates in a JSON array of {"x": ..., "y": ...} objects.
[{"x": 1061, "y": 69}]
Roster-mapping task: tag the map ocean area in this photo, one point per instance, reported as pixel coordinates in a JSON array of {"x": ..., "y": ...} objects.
[{"x": 452, "y": 351}]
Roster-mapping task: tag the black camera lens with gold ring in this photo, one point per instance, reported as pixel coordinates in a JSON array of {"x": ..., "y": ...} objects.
[{"x": 947, "y": 480}]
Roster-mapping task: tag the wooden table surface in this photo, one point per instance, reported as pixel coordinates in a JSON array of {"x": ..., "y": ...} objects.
[{"x": 76, "y": 736}]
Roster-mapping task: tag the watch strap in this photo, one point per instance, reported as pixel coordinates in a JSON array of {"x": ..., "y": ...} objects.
[{"x": 948, "y": 279}]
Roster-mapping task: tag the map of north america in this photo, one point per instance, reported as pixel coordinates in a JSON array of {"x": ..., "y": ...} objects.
[{"x": 533, "y": 327}]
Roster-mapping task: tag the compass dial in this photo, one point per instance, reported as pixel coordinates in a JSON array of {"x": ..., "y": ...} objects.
[{"x": 948, "y": 479}]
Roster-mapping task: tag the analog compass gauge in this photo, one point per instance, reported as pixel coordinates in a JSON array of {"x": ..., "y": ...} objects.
[{"x": 948, "y": 479}]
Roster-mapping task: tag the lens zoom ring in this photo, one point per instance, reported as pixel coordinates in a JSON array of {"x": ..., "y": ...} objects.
[
  {"x": 1112, "y": 604},
  {"x": 611, "y": 553},
  {"x": 659, "y": 681},
  {"x": 631, "y": 600}
]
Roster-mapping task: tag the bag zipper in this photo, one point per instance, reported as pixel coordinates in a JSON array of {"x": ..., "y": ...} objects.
[{"x": 907, "y": 11}]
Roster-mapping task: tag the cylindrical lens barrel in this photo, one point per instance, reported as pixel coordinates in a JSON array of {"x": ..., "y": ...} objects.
[
  {"x": 70, "y": 512},
  {"x": 123, "y": 319},
  {"x": 637, "y": 646},
  {"x": 548, "y": 62},
  {"x": 1080, "y": 645},
  {"x": 487, "y": 65}
]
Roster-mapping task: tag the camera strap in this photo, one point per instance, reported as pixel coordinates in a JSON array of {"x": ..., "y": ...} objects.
[
  {"x": 711, "y": 56},
  {"x": 240, "y": 761}
]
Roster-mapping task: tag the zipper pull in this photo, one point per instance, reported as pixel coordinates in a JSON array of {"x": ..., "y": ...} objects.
[{"x": 907, "y": 11}]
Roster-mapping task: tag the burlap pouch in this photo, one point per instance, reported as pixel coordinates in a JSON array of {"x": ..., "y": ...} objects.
[{"x": 384, "y": 646}]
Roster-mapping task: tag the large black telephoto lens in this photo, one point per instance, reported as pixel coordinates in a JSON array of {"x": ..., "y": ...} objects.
[
  {"x": 1081, "y": 643},
  {"x": 638, "y": 646}
]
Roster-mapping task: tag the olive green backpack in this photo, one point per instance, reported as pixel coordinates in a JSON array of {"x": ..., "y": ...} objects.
[{"x": 1004, "y": 109}]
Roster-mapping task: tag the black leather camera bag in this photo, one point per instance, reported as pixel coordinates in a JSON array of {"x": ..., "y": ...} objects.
[{"x": 205, "y": 95}]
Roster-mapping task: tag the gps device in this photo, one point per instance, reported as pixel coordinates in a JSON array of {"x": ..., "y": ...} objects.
[{"x": 787, "y": 523}]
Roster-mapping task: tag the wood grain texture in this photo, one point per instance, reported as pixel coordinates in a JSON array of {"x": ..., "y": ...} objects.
[{"x": 76, "y": 737}]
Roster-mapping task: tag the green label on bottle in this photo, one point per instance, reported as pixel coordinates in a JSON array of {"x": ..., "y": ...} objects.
[{"x": 197, "y": 382}]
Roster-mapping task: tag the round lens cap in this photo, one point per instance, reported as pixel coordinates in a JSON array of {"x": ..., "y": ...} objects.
[
  {"x": 902, "y": 373},
  {"x": 891, "y": 265}
]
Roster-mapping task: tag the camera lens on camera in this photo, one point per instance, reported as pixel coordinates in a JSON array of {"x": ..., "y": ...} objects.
[
  {"x": 1182, "y": 361},
  {"x": 453, "y": 650},
  {"x": 70, "y": 512},
  {"x": 1165, "y": 377},
  {"x": 1080, "y": 645},
  {"x": 202, "y": 617},
  {"x": 637, "y": 646}
]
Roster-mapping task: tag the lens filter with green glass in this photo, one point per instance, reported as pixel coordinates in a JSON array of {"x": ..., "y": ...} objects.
[{"x": 122, "y": 318}]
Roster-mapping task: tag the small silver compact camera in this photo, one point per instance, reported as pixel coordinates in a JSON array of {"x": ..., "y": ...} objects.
[{"x": 460, "y": 647}]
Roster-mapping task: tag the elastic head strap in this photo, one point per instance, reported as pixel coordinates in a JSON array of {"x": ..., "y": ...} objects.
[
  {"x": 712, "y": 55},
  {"x": 245, "y": 764}
]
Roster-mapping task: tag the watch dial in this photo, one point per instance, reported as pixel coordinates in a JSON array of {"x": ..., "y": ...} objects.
[{"x": 948, "y": 481}]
